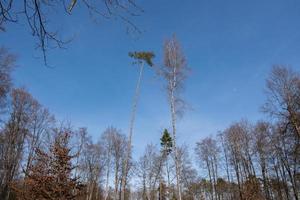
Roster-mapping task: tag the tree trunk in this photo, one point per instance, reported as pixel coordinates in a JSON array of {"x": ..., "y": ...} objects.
[
  {"x": 173, "y": 121},
  {"x": 133, "y": 113},
  {"x": 107, "y": 178}
]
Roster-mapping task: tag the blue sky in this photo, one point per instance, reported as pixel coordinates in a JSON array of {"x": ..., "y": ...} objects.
[{"x": 230, "y": 47}]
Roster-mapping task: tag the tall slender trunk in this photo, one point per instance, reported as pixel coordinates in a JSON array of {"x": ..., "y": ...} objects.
[
  {"x": 116, "y": 181},
  {"x": 144, "y": 188},
  {"x": 172, "y": 85},
  {"x": 210, "y": 179},
  {"x": 215, "y": 175},
  {"x": 168, "y": 177},
  {"x": 294, "y": 120},
  {"x": 90, "y": 195},
  {"x": 173, "y": 115},
  {"x": 159, "y": 174},
  {"x": 279, "y": 188},
  {"x": 160, "y": 195},
  {"x": 132, "y": 120},
  {"x": 226, "y": 164},
  {"x": 107, "y": 178},
  {"x": 284, "y": 179},
  {"x": 237, "y": 172}
]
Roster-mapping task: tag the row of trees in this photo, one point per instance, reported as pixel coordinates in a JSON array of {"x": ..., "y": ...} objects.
[
  {"x": 260, "y": 161},
  {"x": 28, "y": 129},
  {"x": 244, "y": 161},
  {"x": 44, "y": 159}
]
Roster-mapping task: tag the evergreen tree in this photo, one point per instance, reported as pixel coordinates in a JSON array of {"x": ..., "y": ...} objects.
[{"x": 166, "y": 143}]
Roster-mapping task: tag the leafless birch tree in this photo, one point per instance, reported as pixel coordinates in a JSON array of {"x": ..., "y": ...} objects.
[{"x": 174, "y": 71}]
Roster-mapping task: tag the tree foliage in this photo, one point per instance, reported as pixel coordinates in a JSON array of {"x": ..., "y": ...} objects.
[
  {"x": 166, "y": 142},
  {"x": 145, "y": 56},
  {"x": 49, "y": 176}
]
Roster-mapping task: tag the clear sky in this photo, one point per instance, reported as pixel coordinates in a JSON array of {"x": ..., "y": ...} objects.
[{"x": 230, "y": 47}]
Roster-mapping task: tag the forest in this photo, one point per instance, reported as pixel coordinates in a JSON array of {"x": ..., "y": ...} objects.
[{"x": 44, "y": 157}]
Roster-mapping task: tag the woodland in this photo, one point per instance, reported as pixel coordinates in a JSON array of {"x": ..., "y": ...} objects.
[{"x": 43, "y": 158}]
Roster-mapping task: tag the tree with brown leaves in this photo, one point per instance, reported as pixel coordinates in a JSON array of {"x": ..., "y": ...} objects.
[{"x": 50, "y": 175}]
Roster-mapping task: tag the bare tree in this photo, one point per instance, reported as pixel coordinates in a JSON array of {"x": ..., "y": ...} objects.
[
  {"x": 81, "y": 139},
  {"x": 39, "y": 126},
  {"x": 115, "y": 148},
  {"x": 263, "y": 149},
  {"x": 174, "y": 70},
  {"x": 207, "y": 151},
  {"x": 14, "y": 134},
  {"x": 235, "y": 136},
  {"x": 149, "y": 172},
  {"x": 225, "y": 153},
  {"x": 283, "y": 92},
  {"x": 188, "y": 174},
  {"x": 283, "y": 103},
  {"x": 36, "y": 14},
  {"x": 7, "y": 63},
  {"x": 108, "y": 149},
  {"x": 93, "y": 167}
]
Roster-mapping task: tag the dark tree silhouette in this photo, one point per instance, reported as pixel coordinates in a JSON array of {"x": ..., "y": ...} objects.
[{"x": 36, "y": 14}]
